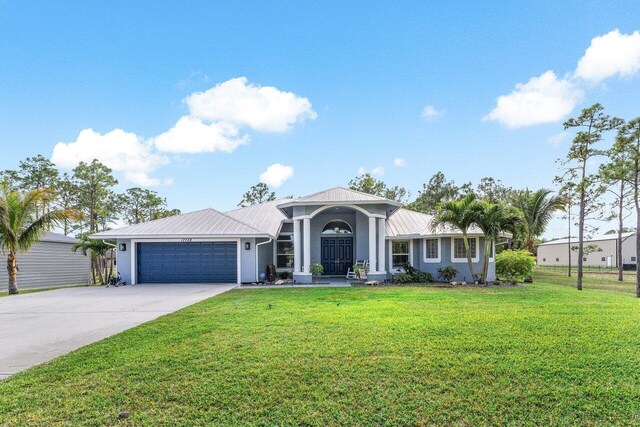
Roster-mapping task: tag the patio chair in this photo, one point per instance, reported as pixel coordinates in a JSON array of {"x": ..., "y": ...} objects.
[{"x": 351, "y": 273}]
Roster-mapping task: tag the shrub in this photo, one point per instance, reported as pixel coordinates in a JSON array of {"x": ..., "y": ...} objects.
[
  {"x": 422, "y": 277},
  {"x": 448, "y": 273},
  {"x": 403, "y": 278},
  {"x": 317, "y": 269},
  {"x": 514, "y": 266},
  {"x": 412, "y": 275}
]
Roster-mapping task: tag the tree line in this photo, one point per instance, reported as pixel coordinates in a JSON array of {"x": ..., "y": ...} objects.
[
  {"x": 36, "y": 197},
  {"x": 89, "y": 189},
  {"x": 618, "y": 174}
]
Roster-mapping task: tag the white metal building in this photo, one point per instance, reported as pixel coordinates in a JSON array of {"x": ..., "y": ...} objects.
[{"x": 556, "y": 252}]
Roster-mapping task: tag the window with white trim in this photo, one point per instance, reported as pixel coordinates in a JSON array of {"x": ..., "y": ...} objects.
[
  {"x": 633, "y": 258},
  {"x": 284, "y": 252},
  {"x": 337, "y": 226},
  {"x": 399, "y": 253},
  {"x": 432, "y": 250},
  {"x": 459, "y": 251}
]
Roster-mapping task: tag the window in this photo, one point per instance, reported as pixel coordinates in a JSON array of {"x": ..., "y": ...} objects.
[
  {"x": 337, "y": 226},
  {"x": 399, "y": 253},
  {"x": 633, "y": 258},
  {"x": 603, "y": 259},
  {"x": 459, "y": 252},
  {"x": 284, "y": 252},
  {"x": 557, "y": 259},
  {"x": 584, "y": 258},
  {"x": 432, "y": 250},
  {"x": 544, "y": 260}
]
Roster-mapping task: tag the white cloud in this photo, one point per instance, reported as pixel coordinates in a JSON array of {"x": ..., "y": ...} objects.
[
  {"x": 218, "y": 121},
  {"x": 276, "y": 175},
  {"x": 262, "y": 108},
  {"x": 543, "y": 99},
  {"x": 379, "y": 171},
  {"x": 399, "y": 162},
  {"x": 610, "y": 54},
  {"x": 430, "y": 112},
  {"x": 121, "y": 151},
  {"x": 191, "y": 135},
  {"x": 558, "y": 138}
]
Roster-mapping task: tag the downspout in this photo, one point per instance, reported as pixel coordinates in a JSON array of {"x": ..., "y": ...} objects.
[{"x": 257, "y": 252}]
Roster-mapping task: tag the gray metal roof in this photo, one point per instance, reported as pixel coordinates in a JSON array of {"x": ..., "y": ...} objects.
[
  {"x": 206, "y": 222},
  {"x": 593, "y": 239},
  {"x": 405, "y": 222},
  {"x": 342, "y": 195},
  {"x": 265, "y": 216},
  {"x": 58, "y": 238}
]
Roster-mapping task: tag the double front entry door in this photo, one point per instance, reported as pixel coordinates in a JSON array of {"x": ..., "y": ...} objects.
[{"x": 337, "y": 255}]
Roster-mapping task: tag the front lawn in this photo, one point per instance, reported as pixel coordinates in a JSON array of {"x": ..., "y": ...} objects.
[
  {"x": 592, "y": 279},
  {"x": 537, "y": 355}
]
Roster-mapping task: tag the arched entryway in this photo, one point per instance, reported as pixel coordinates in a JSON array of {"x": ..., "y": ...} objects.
[{"x": 337, "y": 247}]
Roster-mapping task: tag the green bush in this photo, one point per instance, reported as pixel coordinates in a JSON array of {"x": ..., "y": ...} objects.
[
  {"x": 514, "y": 266},
  {"x": 317, "y": 269},
  {"x": 422, "y": 277},
  {"x": 403, "y": 278},
  {"x": 447, "y": 274},
  {"x": 412, "y": 275}
]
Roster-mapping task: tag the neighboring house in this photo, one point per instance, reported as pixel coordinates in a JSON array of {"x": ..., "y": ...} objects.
[
  {"x": 335, "y": 227},
  {"x": 51, "y": 262},
  {"x": 556, "y": 252}
]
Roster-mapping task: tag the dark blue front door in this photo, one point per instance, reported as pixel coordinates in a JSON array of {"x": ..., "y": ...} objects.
[
  {"x": 337, "y": 255},
  {"x": 197, "y": 262}
]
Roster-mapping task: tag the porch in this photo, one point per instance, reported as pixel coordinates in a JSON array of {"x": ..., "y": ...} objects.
[{"x": 335, "y": 237}]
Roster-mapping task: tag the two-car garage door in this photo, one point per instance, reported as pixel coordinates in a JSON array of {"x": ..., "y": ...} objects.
[{"x": 194, "y": 262}]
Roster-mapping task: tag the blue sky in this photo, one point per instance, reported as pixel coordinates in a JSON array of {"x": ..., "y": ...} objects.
[{"x": 350, "y": 83}]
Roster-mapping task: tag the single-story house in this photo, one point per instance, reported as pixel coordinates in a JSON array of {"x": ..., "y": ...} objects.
[
  {"x": 334, "y": 227},
  {"x": 556, "y": 252},
  {"x": 51, "y": 262}
]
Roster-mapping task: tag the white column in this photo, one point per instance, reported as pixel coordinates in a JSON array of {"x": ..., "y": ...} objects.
[
  {"x": 373, "y": 264},
  {"x": 381, "y": 240},
  {"x": 297, "y": 253},
  {"x": 306, "y": 223}
]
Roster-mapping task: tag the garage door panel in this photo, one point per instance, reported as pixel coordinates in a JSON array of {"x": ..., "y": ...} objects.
[{"x": 197, "y": 262}]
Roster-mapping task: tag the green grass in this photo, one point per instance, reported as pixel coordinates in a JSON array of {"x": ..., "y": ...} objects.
[
  {"x": 606, "y": 280},
  {"x": 537, "y": 355}
]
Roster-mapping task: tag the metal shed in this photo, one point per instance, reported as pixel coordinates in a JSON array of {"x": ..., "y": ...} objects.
[{"x": 50, "y": 262}]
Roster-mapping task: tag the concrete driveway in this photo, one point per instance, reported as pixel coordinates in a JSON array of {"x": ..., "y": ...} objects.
[{"x": 35, "y": 328}]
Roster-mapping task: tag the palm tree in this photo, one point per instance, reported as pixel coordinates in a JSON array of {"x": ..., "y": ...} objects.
[
  {"x": 460, "y": 214},
  {"x": 537, "y": 208},
  {"x": 494, "y": 219},
  {"x": 98, "y": 250},
  {"x": 19, "y": 226}
]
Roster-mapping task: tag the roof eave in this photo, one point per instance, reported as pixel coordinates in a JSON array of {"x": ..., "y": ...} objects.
[{"x": 180, "y": 236}]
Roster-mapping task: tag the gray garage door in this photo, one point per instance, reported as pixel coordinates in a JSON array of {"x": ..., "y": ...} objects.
[{"x": 201, "y": 262}]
